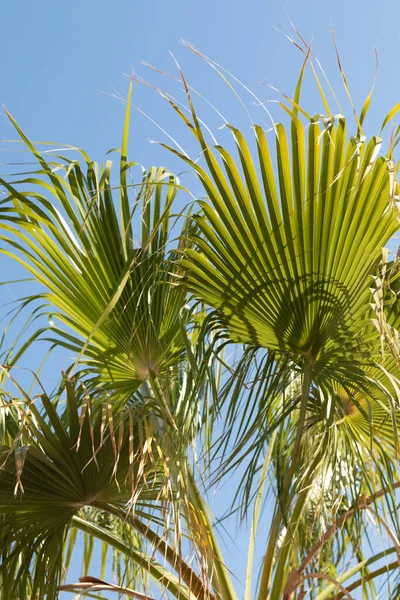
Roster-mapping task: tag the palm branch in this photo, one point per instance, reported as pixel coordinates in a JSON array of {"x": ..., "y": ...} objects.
[
  {"x": 125, "y": 319},
  {"x": 99, "y": 267}
]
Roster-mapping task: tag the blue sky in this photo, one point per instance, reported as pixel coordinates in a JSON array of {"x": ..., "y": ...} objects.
[
  {"x": 58, "y": 57},
  {"x": 61, "y": 60}
]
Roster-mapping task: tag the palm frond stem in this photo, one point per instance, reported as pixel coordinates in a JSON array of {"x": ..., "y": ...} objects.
[
  {"x": 368, "y": 577},
  {"x": 82, "y": 588},
  {"x": 223, "y": 584},
  {"x": 156, "y": 570},
  {"x": 344, "y": 591},
  {"x": 268, "y": 562},
  {"x": 363, "y": 564},
  {"x": 194, "y": 583},
  {"x": 257, "y": 507},
  {"x": 363, "y": 504}
]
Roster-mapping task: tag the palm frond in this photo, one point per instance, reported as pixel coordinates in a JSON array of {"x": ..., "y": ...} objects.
[
  {"x": 107, "y": 276},
  {"x": 56, "y": 471}
]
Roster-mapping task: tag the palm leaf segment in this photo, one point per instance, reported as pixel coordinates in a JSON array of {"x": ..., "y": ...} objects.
[
  {"x": 286, "y": 261},
  {"x": 112, "y": 291}
]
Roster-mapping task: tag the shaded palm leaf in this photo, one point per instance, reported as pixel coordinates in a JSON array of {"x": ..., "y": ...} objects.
[{"x": 57, "y": 471}]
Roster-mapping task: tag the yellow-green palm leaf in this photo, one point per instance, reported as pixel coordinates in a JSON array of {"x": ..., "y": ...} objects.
[
  {"x": 106, "y": 274},
  {"x": 289, "y": 240}
]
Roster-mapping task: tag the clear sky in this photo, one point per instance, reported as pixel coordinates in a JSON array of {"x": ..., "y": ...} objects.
[{"x": 59, "y": 57}]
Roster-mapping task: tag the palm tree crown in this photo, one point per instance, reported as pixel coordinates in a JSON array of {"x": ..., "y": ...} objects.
[{"x": 281, "y": 262}]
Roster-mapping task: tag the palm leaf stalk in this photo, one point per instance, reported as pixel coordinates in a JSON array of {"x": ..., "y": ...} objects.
[{"x": 85, "y": 585}]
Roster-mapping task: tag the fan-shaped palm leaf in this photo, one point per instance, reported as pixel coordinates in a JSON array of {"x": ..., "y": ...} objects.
[
  {"x": 53, "y": 474},
  {"x": 288, "y": 263},
  {"x": 107, "y": 276},
  {"x": 130, "y": 327}
]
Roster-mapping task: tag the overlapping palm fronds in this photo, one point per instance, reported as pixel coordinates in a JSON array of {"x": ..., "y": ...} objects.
[
  {"x": 86, "y": 470},
  {"x": 137, "y": 347},
  {"x": 283, "y": 261},
  {"x": 104, "y": 475}
]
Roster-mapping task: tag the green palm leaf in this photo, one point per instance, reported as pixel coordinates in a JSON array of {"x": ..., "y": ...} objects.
[
  {"x": 290, "y": 270},
  {"x": 288, "y": 247},
  {"x": 91, "y": 470},
  {"x": 107, "y": 276},
  {"x": 284, "y": 258}
]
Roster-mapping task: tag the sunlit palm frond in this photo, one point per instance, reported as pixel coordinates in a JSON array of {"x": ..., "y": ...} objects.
[
  {"x": 287, "y": 263},
  {"x": 285, "y": 267},
  {"x": 107, "y": 275},
  {"x": 127, "y": 321}
]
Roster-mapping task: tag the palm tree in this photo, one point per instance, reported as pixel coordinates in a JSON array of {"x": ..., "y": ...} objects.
[{"x": 281, "y": 262}]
